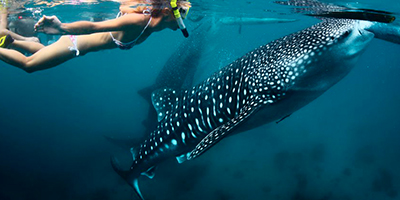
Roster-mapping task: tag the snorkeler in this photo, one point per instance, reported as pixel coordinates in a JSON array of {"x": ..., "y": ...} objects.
[
  {"x": 132, "y": 26},
  {"x": 6, "y": 35}
]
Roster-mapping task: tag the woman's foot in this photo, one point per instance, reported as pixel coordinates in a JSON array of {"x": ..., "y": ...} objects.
[
  {"x": 5, "y": 41},
  {"x": 32, "y": 39}
]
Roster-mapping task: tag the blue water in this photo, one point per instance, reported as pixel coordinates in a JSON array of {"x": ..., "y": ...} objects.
[{"x": 345, "y": 145}]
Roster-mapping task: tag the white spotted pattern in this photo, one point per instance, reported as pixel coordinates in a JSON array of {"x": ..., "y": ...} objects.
[{"x": 265, "y": 74}]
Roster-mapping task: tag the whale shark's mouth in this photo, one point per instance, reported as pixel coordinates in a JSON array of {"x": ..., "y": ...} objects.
[{"x": 358, "y": 43}]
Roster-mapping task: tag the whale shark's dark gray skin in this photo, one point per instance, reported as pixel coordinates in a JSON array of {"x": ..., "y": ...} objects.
[
  {"x": 179, "y": 70},
  {"x": 263, "y": 86}
]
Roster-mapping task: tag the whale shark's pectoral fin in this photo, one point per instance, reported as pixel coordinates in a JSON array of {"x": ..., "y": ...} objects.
[
  {"x": 182, "y": 158},
  {"x": 222, "y": 131}
]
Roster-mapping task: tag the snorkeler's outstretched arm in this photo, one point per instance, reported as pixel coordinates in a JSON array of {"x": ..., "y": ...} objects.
[{"x": 52, "y": 25}]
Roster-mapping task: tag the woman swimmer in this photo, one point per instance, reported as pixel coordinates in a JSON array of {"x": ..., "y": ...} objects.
[{"x": 131, "y": 27}]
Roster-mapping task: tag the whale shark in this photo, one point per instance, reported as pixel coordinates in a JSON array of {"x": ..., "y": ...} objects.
[
  {"x": 197, "y": 49},
  {"x": 265, "y": 85}
]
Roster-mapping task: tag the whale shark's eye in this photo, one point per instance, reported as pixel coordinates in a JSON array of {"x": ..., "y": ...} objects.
[{"x": 346, "y": 34}]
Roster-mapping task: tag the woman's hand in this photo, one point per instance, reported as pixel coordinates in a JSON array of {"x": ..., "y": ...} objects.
[{"x": 49, "y": 25}]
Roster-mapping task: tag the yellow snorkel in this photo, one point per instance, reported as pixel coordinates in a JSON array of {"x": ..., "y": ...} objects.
[{"x": 178, "y": 18}]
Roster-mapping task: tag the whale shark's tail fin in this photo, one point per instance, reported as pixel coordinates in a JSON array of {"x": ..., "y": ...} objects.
[{"x": 128, "y": 175}]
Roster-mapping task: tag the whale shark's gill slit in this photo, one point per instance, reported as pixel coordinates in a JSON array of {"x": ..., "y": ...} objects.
[
  {"x": 198, "y": 125},
  {"x": 203, "y": 122}
]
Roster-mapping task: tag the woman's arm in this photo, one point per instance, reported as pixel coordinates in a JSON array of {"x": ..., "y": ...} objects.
[{"x": 52, "y": 25}]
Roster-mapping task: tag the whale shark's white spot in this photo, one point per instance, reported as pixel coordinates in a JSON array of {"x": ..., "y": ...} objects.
[
  {"x": 174, "y": 142},
  {"x": 183, "y": 136}
]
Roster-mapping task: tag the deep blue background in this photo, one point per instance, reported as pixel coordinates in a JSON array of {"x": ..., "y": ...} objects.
[{"x": 344, "y": 145}]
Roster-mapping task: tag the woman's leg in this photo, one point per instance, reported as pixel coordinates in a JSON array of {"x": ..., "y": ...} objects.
[
  {"x": 16, "y": 36},
  {"x": 31, "y": 47},
  {"x": 47, "y": 57},
  {"x": 3, "y": 19}
]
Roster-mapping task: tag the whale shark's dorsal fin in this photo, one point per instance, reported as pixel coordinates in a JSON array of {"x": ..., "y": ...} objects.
[
  {"x": 222, "y": 131},
  {"x": 164, "y": 101}
]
